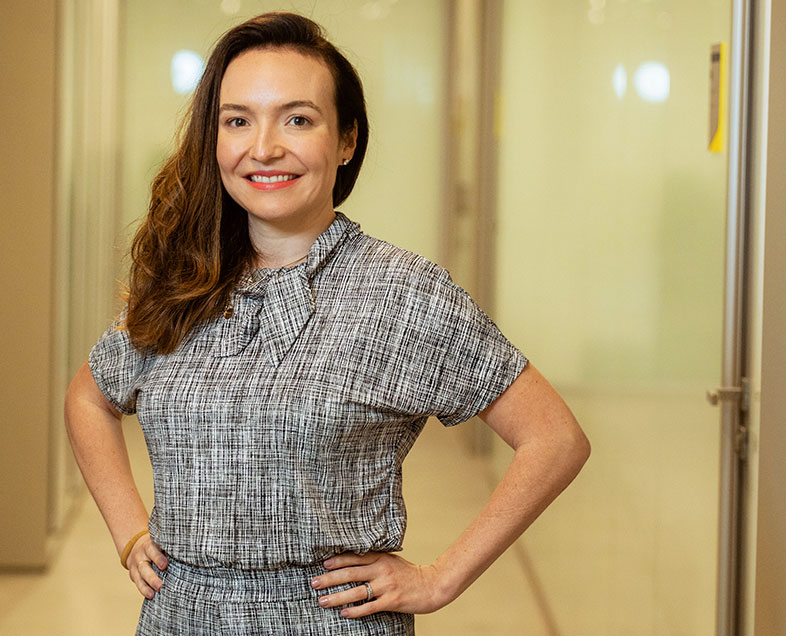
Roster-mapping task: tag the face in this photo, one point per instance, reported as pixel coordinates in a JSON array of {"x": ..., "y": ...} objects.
[{"x": 278, "y": 144}]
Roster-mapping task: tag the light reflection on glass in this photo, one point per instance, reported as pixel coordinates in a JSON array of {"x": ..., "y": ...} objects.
[
  {"x": 230, "y": 7},
  {"x": 653, "y": 82},
  {"x": 620, "y": 81},
  {"x": 377, "y": 9},
  {"x": 186, "y": 69},
  {"x": 596, "y": 14}
]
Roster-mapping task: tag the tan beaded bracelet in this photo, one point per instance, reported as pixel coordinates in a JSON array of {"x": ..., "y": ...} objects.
[{"x": 130, "y": 546}]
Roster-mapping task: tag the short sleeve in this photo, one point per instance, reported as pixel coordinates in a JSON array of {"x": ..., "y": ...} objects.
[
  {"x": 476, "y": 362},
  {"x": 117, "y": 367},
  {"x": 426, "y": 348}
]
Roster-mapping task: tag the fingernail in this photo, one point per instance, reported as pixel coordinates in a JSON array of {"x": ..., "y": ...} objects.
[
  {"x": 162, "y": 563},
  {"x": 323, "y": 600},
  {"x": 328, "y": 563},
  {"x": 315, "y": 583},
  {"x": 344, "y": 613}
]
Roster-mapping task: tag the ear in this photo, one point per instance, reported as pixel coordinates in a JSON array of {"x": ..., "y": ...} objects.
[{"x": 350, "y": 141}]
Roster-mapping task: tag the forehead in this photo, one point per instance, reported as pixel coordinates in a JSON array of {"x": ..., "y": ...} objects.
[{"x": 270, "y": 74}]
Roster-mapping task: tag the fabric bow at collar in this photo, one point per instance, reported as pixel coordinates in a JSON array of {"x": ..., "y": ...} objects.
[{"x": 278, "y": 303}]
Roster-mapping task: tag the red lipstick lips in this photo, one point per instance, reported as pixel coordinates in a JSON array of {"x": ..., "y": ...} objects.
[{"x": 271, "y": 179}]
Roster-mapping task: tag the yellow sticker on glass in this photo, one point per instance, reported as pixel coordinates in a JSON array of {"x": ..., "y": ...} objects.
[{"x": 717, "y": 141}]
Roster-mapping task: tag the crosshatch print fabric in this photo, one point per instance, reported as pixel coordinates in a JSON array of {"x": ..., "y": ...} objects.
[
  {"x": 277, "y": 436},
  {"x": 231, "y": 602}
]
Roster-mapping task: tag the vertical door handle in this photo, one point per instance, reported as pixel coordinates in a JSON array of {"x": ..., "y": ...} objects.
[{"x": 739, "y": 394}]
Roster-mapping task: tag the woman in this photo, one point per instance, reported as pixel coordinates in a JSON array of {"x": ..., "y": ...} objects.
[{"x": 282, "y": 364}]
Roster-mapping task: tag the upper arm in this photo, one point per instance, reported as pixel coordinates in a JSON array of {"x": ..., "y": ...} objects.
[
  {"x": 531, "y": 410},
  {"x": 84, "y": 392}
]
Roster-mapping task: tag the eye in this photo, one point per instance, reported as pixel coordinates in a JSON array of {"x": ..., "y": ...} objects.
[
  {"x": 299, "y": 121},
  {"x": 236, "y": 122}
]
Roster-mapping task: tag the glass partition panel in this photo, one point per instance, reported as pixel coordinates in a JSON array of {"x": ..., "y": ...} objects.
[{"x": 610, "y": 261}]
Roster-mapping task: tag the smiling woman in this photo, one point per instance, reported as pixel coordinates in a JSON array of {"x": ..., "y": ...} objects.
[
  {"x": 282, "y": 363},
  {"x": 279, "y": 147}
]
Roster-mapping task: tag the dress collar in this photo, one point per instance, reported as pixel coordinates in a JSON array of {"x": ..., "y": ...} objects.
[
  {"x": 254, "y": 283},
  {"x": 277, "y": 304}
]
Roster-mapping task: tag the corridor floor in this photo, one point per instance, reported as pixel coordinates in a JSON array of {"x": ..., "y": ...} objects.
[{"x": 86, "y": 593}]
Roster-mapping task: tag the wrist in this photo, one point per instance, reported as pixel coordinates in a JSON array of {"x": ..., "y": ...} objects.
[
  {"x": 129, "y": 546},
  {"x": 447, "y": 585}
]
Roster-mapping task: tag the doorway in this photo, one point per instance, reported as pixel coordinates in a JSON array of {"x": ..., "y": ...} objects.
[{"x": 611, "y": 225}]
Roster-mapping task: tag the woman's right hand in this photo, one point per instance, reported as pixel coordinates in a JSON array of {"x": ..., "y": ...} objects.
[{"x": 145, "y": 552}]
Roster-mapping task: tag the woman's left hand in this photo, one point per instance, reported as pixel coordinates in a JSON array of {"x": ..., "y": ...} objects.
[{"x": 397, "y": 585}]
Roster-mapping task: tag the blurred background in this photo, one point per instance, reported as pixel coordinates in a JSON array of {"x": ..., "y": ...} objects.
[{"x": 599, "y": 174}]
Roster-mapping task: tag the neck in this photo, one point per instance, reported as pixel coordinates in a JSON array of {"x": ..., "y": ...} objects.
[{"x": 284, "y": 244}]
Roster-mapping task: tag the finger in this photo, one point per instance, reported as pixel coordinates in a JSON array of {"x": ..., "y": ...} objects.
[
  {"x": 348, "y": 559},
  {"x": 356, "y": 611},
  {"x": 346, "y": 597},
  {"x": 154, "y": 554},
  {"x": 136, "y": 572},
  {"x": 149, "y": 575},
  {"x": 351, "y": 574}
]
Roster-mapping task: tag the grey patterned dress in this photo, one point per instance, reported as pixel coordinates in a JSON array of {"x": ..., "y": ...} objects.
[{"x": 277, "y": 435}]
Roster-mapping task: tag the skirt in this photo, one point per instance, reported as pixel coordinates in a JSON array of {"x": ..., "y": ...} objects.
[{"x": 196, "y": 601}]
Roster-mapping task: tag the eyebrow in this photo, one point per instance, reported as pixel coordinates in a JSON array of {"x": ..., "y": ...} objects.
[{"x": 298, "y": 103}]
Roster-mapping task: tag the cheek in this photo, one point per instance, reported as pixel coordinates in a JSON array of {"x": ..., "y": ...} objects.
[
  {"x": 226, "y": 154},
  {"x": 324, "y": 152}
]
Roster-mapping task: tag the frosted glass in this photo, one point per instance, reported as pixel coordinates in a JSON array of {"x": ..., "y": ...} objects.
[{"x": 611, "y": 253}]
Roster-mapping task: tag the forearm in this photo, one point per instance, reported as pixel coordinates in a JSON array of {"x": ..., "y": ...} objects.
[
  {"x": 550, "y": 449},
  {"x": 96, "y": 436},
  {"x": 537, "y": 474},
  {"x": 540, "y": 470}
]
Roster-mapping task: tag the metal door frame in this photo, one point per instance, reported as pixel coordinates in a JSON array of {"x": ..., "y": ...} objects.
[{"x": 733, "y": 394}]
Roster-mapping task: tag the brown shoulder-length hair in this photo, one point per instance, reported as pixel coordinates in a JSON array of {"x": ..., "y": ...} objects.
[{"x": 194, "y": 244}]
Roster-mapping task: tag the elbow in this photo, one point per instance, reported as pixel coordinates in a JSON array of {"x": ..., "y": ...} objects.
[
  {"x": 583, "y": 448},
  {"x": 578, "y": 449}
]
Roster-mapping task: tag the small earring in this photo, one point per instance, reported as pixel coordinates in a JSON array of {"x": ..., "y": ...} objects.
[{"x": 345, "y": 162}]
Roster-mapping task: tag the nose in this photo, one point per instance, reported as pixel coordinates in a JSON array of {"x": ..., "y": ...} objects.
[{"x": 266, "y": 145}]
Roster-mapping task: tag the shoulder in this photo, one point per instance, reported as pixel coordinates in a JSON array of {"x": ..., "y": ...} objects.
[
  {"x": 393, "y": 288},
  {"x": 118, "y": 367},
  {"x": 374, "y": 261}
]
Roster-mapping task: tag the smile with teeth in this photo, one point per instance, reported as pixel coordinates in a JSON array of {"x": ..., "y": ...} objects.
[{"x": 258, "y": 178}]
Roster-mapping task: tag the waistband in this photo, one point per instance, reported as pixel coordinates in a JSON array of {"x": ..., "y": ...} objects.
[{"x": 234, "y": 584}]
